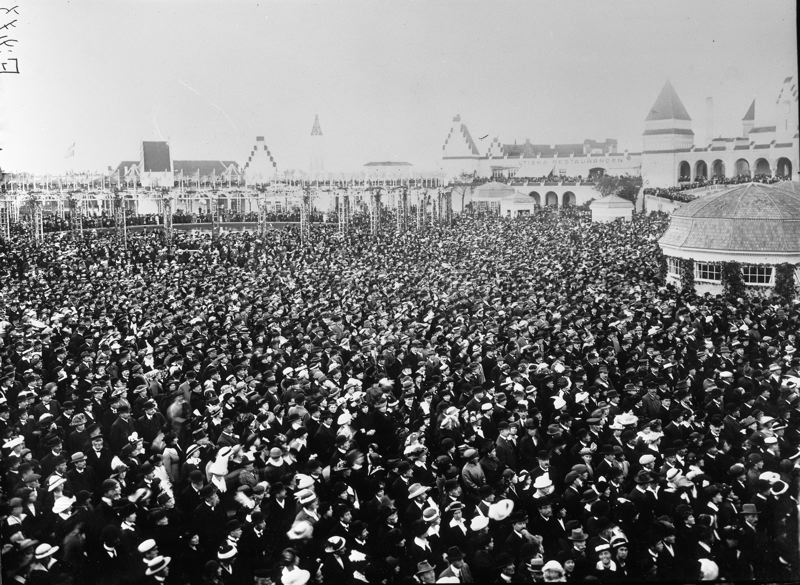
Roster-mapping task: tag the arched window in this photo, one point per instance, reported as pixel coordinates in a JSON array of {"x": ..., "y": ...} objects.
[
  {"x": 762, "y": 167},
  {"x": 537, "y": 199},
  {"x": 718, "y": 169},
  {"x": 783, "y": 168},
  {"x": 568, "y": 199},
  {"x": 742, "y": 168},
  {"x": 684, "y": 172},
  {"x": 700, "y": 170},
  {"x": 551, "y": 199}
]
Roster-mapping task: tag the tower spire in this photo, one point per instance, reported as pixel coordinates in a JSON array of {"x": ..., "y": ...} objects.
[
  {"x": 316, "y": 130},
  {"x": 668, "y": 106}
]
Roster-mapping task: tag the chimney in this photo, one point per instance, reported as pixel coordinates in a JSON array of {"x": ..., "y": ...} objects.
[{"x": 709, "y": 120}]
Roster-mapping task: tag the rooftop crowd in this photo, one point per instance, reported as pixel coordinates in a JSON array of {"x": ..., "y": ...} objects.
[
  {"x": 509, "y": 401},
  {"x": 677, "y": 193}
]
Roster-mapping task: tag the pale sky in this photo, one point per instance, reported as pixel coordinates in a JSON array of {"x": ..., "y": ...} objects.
[{"x": 385, "y": 77}]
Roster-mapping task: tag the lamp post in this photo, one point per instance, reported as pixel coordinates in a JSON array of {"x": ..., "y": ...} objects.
[
  {"x": 262, "y": 210},
  {"x": 75, "y": 216},
  {"x": 5, "y": 218},
  {"x": 402, "y": 211},
  {"x": 305, "y": 212},
  {"x": 120, "y": 221},
  {"x": 213, "y": 209},
  {"x": 166, "y": 208},
  {"x": 36, "y": 216}
]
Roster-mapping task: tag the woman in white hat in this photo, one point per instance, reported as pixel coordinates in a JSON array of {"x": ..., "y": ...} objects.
[
  {"x": 43, "y": 570},
  {"x": 553, "y": 572}
]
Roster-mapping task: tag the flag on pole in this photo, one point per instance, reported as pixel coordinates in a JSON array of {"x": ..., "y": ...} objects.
[{"x": 70, "y": 151}]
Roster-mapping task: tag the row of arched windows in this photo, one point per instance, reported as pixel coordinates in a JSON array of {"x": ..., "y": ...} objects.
[
  {"x": 551, "y": 199},
  {"x": 742, "y": 168}
]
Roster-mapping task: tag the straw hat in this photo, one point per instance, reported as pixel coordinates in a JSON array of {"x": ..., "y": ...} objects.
[
  {"x": 44, "y": 551},
  {"x": 157, "y": 565},
  {"x": 501, "y": 510}
]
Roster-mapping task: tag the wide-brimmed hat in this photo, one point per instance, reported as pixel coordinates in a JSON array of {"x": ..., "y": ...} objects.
[
  {"x": 749, "y": 509},
  {"x": 454, "y": 554},
  {"x": 553, "y": 565},
  {"x": 424, "y": 567},
  {"x": 54, "y": 482},
  {"x": 78, "y": 456},
  {"x": 306, "y": 496},
  {"x": 146, "y": 546},
  {"x": 44, "y": 551},
  {"x": 300, "y": 530},
  {"x": 501, "y": 510},
  {"x": 478, "y": 523},
  {"x": 416, "y": 489},
  {"x": 157, "y": 564},
  {"x": 430, "y": 515},
  {"x": 295, "y": 577},
  {"x": 334, "y": 544},
  {"x": 62, "y": 504},
  {"x": 578, "y": 534}
]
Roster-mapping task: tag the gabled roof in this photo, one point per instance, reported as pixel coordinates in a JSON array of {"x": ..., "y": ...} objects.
[
  {"x": 260, "y": 166},
  {"x": 751, "y": 112},
  {"x": 458, "y": 125},
  {"x": 668, "y": 106},
  {"x": 316, "y": 130},
  {"x": 155, "y": 157}
]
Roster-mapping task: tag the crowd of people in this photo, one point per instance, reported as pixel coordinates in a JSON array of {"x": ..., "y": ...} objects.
[
  {"x": 52, "y": 222},
  {"x": 498, "y": 400},
  {"x": 676, "y": 193}
]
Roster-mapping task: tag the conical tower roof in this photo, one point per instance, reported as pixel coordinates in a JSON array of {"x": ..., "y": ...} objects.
[
  {"x": 751, "y": 112},
  {"x": 668, "y": 106},
  {"x": 316, "y": 130}
]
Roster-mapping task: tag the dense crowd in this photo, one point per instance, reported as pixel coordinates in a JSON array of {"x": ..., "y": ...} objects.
[
  {"x": 507, "y": 401},
  {"x": 686, "y": 184},
  {"x": 55, "y": 223}
]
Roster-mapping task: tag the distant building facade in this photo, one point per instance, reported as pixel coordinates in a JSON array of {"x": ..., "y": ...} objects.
[
  {"x": 155, "y": 168},
  {"x": 669, "y": 155}
]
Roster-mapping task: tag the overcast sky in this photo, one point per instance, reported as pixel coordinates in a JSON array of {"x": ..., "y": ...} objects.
[{"x": 385, "y": 78}]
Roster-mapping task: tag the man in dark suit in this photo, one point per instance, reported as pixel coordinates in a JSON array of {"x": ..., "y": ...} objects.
[
  {"x": 210, "y": 519},
  {"x": 254, "y": 542},
  {"x": 504, "y": 448},
  {"x": 457, "y": 567},
  {"x": 336, "y": 566},
  {"x": 80, "y": 477},
  {"x": 121, "y": 428},
  {"x": 99, "y": 458}
]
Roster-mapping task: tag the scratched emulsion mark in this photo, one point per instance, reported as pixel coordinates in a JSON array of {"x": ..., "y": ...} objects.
[{"x": 8, "y": 21}]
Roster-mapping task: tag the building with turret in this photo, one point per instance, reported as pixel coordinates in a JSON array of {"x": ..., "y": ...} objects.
[{"x": 670, "y": 154}]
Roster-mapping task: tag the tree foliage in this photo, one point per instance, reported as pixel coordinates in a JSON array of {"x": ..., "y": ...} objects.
[
  {"x": 784, "y": 281},
  {"x": 625, "y": 187},
  {"x": 732, "y": 281},
  {"x": 687, "y": 275}
]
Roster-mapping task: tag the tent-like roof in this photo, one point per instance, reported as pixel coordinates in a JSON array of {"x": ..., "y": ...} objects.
[
  {"x": 746, "y": 218},
  {"x": 611, "y": 202},
  {"x": 493, "y": 191},
  {"x": 668, "y": 106}
]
